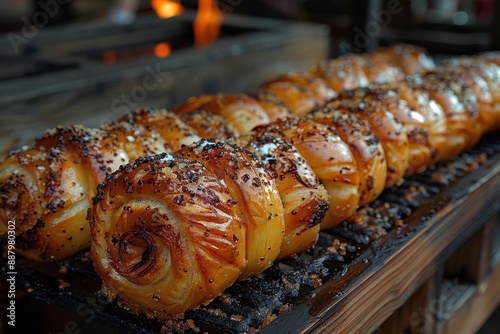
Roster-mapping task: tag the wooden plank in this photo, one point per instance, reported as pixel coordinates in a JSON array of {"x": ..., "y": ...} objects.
[
  {"x": 482, "y": 301},
  {"x": 495, "y": 256},
  {"x": 423, "y": 318},
  {"x": 472, "y": 260},
  {"x": 414, "y": 316},
  {"x": 373, "y": 296}
]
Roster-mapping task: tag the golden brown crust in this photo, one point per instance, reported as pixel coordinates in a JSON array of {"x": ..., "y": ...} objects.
[
  {"x": 166, "y": 228},
  {"x": 301, "y": 93},
  {"x": 329, "y": 157},
  {"x": 364, "y": 145},
  {"x": 377, "y": 70},
  {"x": 241, "y": 112},
  {"x": 273, "y": 105},
  {"x": 341, "y": 74},
  {"x": 256, "y": 196},
  {"x": 414, "y": 122},
  {"x": 304, "y": 198},
  {"x": 411, "y": 59},
  {"x": 47, "y": 190},
  {"x": 433, "y": 120},
  {"x": 162, "y": 124},
  {"x": 460, "y": 108},
  {"x": 490, "y": 73},
  {"x": 385, "y": 126},
  {"x": 166, "y": 235}
]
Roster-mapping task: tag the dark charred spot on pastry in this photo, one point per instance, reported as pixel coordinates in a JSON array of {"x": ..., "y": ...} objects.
[
  {"x": 370, "y": 182},
  {"x": 319, "y": 213}
]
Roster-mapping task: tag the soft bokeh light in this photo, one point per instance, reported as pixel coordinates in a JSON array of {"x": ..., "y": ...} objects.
[
  {"x": 162, "y": 50},
  {"x": 167, "y": 8}
]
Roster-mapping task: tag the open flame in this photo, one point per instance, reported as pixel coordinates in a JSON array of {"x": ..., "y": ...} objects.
[
  {"x": 207, "y": 23},
  {"x": 167, "y": 8}
]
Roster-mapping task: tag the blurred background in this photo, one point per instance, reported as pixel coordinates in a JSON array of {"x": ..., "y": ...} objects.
[
  {"x": 457, "y": 26},
  {"x": 53, "y": 51},
  {"x": 91, "y": 61}
]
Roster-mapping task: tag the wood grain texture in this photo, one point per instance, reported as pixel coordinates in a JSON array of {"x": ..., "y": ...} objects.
[
  {"x": 414, "y": 316},
  {"x": 481, "y": 302},
  {"x": 373, "y": 296},
  {"x": 472, "y": 260}
]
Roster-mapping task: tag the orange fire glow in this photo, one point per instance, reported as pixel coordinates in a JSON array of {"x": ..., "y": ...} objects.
[
  {"x": 162, "y": 50},
  {"x": 167, "y": 8},
  {"x": 109, "y": 57},
  {"x": 207, "y": 23}
]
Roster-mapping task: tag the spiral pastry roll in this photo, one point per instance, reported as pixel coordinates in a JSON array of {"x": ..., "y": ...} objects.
[
  {"x": 137, "y": 141},
  {"x": 490, "y": 73},
  {"x": 162, "y": 127},
  {"x": 300, "y": 93},
  {"x": 341, "y": 74},
  {"x": 425, "y": 112},
  {"x": 47, "y": 190},
  {"x": 434, "y": 116},
  {"x": 365, "y": 147},
  {"x": 235, "y": 114},
  {"x": 460, "y": 108},
  {"x": 417, "y": 155},
  {"x": 411, "y": 59},
  {"x": 272, "y": 104},
  {"x": 385, "y": 126},
  {"x": 255, "y": 194},
  {"x": 304, "y": 198},
  {"x": 376, "y": 70},
  {"x": 483, "y": 100},
  {"x": 329, "y": 157},
  {"x": 166, "y": 235}
]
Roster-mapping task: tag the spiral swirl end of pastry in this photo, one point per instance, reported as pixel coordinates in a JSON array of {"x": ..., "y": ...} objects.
[
  {"x": 166, "y": 235},
  {"x": 45, "y": 194}
]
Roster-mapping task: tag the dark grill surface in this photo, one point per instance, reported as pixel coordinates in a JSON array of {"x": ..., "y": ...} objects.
[{"x": 285, "y": 295}]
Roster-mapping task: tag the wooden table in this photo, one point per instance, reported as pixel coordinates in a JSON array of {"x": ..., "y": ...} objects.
[{"x": 445, "y": 278}]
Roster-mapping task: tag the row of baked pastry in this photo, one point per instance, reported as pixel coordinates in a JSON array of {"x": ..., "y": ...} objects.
[
  {"x": 48, "y": 188},
  {"x": 171, "y": 232}
]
